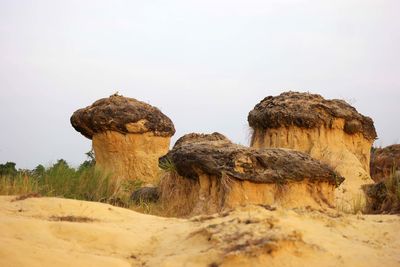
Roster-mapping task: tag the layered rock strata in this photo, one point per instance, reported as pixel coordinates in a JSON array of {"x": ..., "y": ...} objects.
[
  {"x": 128, "y": 136},
  {"x": 209, "y": 173},
  {"x": 329, "y": 130}
]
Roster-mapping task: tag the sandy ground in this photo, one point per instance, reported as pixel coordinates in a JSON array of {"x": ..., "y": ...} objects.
[{"x": 36, "y": 232}]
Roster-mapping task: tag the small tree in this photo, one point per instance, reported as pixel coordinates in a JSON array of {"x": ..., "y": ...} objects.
[
  {"x": 91, "y": 156},
  {"x": 60, "y": 166},
  {"x": 39, "y": 170},
  {"x": 90, "y": 162},
  {"x": 61, "y": 163},
  {"x": 8, "y": 169}
]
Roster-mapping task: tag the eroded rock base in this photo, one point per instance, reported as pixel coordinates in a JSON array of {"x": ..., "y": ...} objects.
[
  {"x": 349, "y": 155},
  {"x": 182, "y": 197},
  {"x": 130, "y": 156}
]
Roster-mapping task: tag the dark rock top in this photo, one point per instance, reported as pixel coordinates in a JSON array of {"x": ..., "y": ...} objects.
[
  {"x": 198, "y": 137},
  {"x": 215, "y": 155},
  {"x": 385, "y": 161},
  {"x": 308, "y": 111},
  {"x": 116, "y": 112}
]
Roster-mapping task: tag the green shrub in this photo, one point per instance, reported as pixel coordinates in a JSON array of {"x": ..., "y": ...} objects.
[
  {"x": 60, "y": 180},
  {"x": 8, "y": 169}
]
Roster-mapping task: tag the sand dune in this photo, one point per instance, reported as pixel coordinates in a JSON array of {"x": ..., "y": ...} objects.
[{"x": 61, "y": 232}]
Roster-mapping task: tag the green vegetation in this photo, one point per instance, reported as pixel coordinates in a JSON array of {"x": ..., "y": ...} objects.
[
  {"x": 8, "y": 169},
  {"x": 167, "y": 165},
  {"x": 61, "y": 180}
]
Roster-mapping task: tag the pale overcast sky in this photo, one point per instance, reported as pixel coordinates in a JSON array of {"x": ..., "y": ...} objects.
[{"x": 205, "y": 64}]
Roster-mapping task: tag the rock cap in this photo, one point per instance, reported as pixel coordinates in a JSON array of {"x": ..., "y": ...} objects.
[
  {"x": 307, "y": 110},
  {"x": 216, "y": 155},
  {"x": 121, "y": 114},
  {"x": 200, "y": 137}
]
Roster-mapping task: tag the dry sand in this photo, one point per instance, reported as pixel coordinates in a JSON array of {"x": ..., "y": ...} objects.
[{"x": 33, "y": 233}]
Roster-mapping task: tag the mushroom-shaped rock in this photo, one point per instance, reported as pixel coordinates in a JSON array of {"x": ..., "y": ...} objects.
[
  {"x": 329, "y": 130},
  {"x": 128, "y": 136},
  {"x": 208, "y": 173},
  {"x": 385, "y": 162}
]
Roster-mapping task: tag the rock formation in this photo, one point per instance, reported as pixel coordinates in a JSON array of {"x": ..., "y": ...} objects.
[
  {"x": 385, "y": 162},
  {"x": 329, "y": 130},
  {"x": 128, "y": 136},
  {"x": 208, "y": 173}
]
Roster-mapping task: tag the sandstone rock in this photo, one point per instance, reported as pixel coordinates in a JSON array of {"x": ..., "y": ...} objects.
[
  {"x": 210, "y": 173},
  {"x": 128, "y": 136},
  {"x": 329, "y": 130},
  {"x": 385, "y": 162}
]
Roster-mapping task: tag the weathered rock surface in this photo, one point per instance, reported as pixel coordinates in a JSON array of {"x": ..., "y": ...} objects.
[
  {"x": 130, "y": 156},
  {"x": 121, "y": 114},
  {"x": 309, "y": 111},
  {"x": 214, "y": 154},
  {"x": 128, "y": 136},
  {"x": 222, "y": 174},
  {"x": 385, "y": 162},
  {"x": 329, "y": 130}
]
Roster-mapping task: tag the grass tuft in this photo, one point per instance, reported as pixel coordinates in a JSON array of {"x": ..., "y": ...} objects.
[
  {"x": 178, "y": 195},
  {"x": 167, "y": 165},
  {"x": 384, "y": 196},
  {"x": 86, "y": 183}
]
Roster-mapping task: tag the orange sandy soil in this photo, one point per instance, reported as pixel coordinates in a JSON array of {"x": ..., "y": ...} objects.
[{"x": 62, "y": 232}]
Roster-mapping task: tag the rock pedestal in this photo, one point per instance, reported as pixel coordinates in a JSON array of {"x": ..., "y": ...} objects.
[
  {"x": 128, "y": 136},
  {"x": 208, "y": 173},
  {"x": 329, "y": 130}
]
